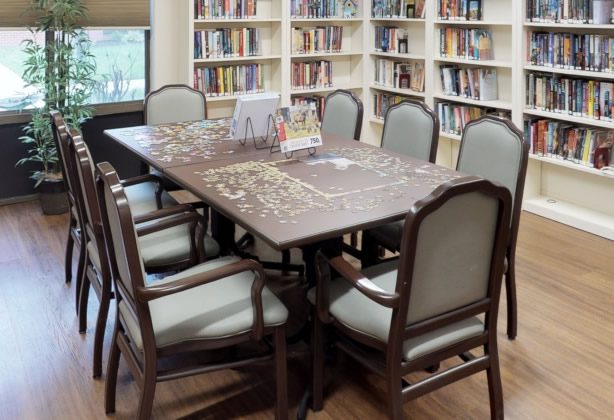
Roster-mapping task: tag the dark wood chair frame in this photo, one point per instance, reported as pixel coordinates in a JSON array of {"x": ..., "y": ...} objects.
[
  {"x": 144, "y": 364},
  {"x": 510, "y": 253},
  {"x": 59, "y": 130},
  {"x": 387, "y": 360},
  {"x": 372, "y": 253},
  {"x": 92, "y": 231}
]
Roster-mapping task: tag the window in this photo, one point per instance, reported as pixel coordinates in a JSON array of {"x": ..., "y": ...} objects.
[
  {"x": 120, "y": 67},
  {"x": 14, "y": 95}
]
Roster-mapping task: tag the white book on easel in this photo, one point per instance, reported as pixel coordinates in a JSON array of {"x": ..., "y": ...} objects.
[{"x": 256, "y": 108}]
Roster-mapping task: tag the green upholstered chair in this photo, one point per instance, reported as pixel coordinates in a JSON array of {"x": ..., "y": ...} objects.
[
  {"x": 493, "y": 148},
  {"x": 437, "y": 301},
  {"x": 342, "y": 114},
  {"x": 174, "y": 103},
  {"x": 410, "y": 128},
  {"x": 164, "y": 248},
  {"x": 217, "y": 304}
]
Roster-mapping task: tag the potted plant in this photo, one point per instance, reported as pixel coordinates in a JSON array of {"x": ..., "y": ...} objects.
[{"x": 62, "y": 70}]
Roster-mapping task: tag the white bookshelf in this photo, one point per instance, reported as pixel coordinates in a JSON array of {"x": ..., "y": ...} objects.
[
  {"x": 417, "y": 52},
  {"x": 498, "y": 17},
  {"x": 568, "y": 192},
  {"x": 347, "y": 72},
  {"x": 559, "y": 189},
  {"x": 269, "y": 20}
]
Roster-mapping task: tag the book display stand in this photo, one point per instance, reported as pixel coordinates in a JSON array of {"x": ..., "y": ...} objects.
[{"x": 271, "y": 131}]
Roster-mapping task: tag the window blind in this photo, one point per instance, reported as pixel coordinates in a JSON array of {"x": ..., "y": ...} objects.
[{"x": 101, "y": 13}]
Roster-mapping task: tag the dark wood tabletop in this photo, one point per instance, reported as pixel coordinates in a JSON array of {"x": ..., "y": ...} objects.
[
  {"x": 347, "y": 186},
  {"x": 178, "y": 144}
]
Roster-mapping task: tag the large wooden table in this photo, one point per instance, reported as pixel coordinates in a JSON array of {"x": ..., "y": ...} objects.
[{"x": 347, "y": 186}]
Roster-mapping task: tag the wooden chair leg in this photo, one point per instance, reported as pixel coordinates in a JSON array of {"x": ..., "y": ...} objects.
[
  {"x": 285, "y": 260},
  {"x": 512, "y": 304},
  {"x": 70, "y": 243},
  {"x": 395, "y": 401},
  {"x": 495, "y": 390},
  {"x": 148, "y": 390},
  {"x": 369, "y": 250},
  {"x": 101, "y": 324},
  {"x": 80, "y": 273},
  {"x": 281, "y": 375},
  {"x": 82, "y": 302},
  {"x": 317, "y": 354},
  {"x": 112, "y": 369}
]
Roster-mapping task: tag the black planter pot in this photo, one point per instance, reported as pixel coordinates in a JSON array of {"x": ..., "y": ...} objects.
[{"x": 52, "y": 196}]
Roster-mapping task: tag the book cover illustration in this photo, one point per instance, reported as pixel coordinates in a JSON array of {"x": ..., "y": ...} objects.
[
  {"x": 475, "y": 10},
  {"x": 298, "y": 127},
  {"x": 420, "y": 9}
]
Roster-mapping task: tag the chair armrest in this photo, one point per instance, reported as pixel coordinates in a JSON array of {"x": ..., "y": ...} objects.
[
  {"x": 174, "y": 216},
  {"x": 146, "y": 294},
  {"x": 139, "y": 179},
  {"x": 160, "y": 224},
  {"x": 146, "y": 178},
  {"x": 363, "y": 284},
  {"x": 165, "y": 212}
]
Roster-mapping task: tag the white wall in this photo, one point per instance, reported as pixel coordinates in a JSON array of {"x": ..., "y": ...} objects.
[{"x": 168, "y": 42}]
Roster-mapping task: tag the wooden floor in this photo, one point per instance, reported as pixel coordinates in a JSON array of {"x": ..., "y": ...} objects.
[{"x": 560, "y": 367}]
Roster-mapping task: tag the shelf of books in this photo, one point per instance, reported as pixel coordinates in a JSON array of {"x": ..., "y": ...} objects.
[
  {"x": 473, "y": 62},
  {"x": 234, "y": 49},
  {"x": 396, "y": 58},
  {"x": 482, "y": 12},
  {"x": 326, "y": 49},
  {"x": 567, "y": 113}
]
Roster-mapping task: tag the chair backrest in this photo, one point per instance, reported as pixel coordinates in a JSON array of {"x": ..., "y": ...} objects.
[
  {"x": 343, "y": 114},
  {"x": 174, "y": 103},
  {"x": 92, "y": 227},
  {"x": 83, "y": 164},
  {"x": 452, "y": 254},
  {"x": 411, "y": 128},
  {"x": 493, "y": 148},
  {"x": 126, "y": 263},
  {"x": 60, "y": 137}
]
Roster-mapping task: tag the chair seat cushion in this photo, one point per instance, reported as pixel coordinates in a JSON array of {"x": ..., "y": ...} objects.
[
  {"x": 163, "y": 248},
  {"x": 170, "y": 245},
  {"x": 219, "y": 309},
  {"x": 388, "y": 235},
  {"x": 344, "y": 299},
  {"x": 142, "y": 198}
]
